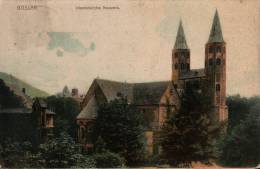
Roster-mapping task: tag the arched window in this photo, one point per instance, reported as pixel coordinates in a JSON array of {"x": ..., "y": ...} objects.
[
  {"x": 210, "y": 61},
  {"x": 218, "y": 61},
  {"x": 176, "y": 65}
]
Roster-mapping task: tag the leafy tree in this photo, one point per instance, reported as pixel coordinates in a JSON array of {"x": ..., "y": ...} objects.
[
  {"x": 14, "y": 154},
  {"x": 186, "y": 136},
  {"x": 62, "y": 152},
  {"x": 241, "y": 147},
  {"x": 120, "y": 126},
  {"x": 104, "y": 158},
  {"x": 66, "y": 110},
  {"x": 238, "y": 109}
]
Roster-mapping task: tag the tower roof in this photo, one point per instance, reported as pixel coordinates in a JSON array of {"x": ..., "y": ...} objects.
[
  {"x": 180, "y": 42},
  {"x": 216, "y": 32}
]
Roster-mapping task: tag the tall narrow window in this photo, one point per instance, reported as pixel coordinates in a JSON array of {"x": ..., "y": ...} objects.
[
  {"x": 218, "y": 61},
  {"x": 182, "y": 66},
  {"x": 217, "y": 87},
  {"x": 176, "y": 66},
  {"x": 188, "y": 66},
  {"x": 210, "y": 61}
]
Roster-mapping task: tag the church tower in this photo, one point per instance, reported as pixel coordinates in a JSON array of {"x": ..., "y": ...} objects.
[
  {"x": 215, "y": 68},
  {"x": 180, "y": 56}
]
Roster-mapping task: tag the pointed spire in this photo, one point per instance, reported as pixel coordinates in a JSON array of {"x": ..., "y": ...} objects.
[
  {"x": 180, "y": 42},
  {"x": 216, "y": 32}
]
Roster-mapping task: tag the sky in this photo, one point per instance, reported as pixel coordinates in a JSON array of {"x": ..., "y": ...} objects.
[{"x": 58, "y": 45}]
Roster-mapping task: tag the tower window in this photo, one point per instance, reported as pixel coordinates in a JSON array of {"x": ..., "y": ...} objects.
[
  {"x": 182, "y": 66},
  {"x": 211, "y": 49},
  {"x": 188, "y": 66},
  {"x": 219, "y": 49},
  {"x": 210, "y": 61},
  {"x": 218, "y": 61},
  {"x": 217, "y": 87},
  {"x": 176, "y": 65}
]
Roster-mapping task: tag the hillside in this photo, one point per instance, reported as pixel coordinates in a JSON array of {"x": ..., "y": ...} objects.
[{"x": 18, "y": 85}]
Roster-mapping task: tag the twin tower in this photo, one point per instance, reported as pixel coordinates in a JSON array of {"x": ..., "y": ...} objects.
[{"x": 214, "y": 73}]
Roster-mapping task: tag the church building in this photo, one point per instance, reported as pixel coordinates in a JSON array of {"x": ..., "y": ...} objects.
[{"x": 155, "y": 98}]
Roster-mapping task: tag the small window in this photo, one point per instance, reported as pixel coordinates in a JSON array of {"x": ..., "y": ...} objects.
[
  {"x": 176, "y": 66},
  {"x": 210, "y": 61},
  {"x": 217, "y": 87},
  {"x": 182, "y": 66},
  {"x": 218, "y": 61},
  {"x": 219, "y": 49},
  {"x": 211, "y": 49},
  {"x": 188, "y": 66},
  {"x": 176, "y": 55}
]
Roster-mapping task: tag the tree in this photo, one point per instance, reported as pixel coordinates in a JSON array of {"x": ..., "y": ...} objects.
[
  {"x": 61, "y": 152},
  {"x": 120, "y": 126},
  {"x": 66, "y": 110},
  {"x": 241, "y": 147},
  {"x": 186, "y": 137},
  {"x": 238, "y": 109}
]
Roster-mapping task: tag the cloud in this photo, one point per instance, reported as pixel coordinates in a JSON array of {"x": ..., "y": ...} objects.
[{"x": 66, "y": 42}]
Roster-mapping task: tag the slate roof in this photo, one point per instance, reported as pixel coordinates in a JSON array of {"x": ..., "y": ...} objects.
[
  {"x": 90, "y": 110},
  {"x": 112, "y": 89},
  {"x": 180, "y": 42},
  {"x": 216, "y": 32},
  {"x": 137, "y": 93},
  {"x": 149, "y": 93},
  {"x": 194, "y": 73}
]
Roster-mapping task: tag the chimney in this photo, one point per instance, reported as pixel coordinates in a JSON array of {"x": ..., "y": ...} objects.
[
  {"x": 24, "y": 90},
  {"x": 75, "y": 92}
]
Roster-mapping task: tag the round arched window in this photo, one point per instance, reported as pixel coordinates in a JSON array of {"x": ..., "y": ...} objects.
[{"x": 218, "y": 61}]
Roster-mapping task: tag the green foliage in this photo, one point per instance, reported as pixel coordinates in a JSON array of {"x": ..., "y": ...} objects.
[
  {"x": 238, "y": 109},
  {"x": 241, "y": 146},
  {"x": 186, "y": 136},
  {"x": 61, "y": 152},
  {"x": 14, "y": 154},
  {"x": 66, "y": 110},
  {"x": 120, "y": 126},
  {"x": 107, "y": 159}
]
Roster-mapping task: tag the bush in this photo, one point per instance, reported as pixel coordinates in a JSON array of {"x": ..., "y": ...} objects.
[{"x": 108, "y": 159}]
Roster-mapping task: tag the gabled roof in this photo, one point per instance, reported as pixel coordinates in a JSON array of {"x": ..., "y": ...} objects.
[
  {"x": 194, "y": 73},
  {"x": 90, "y": 110},
  {"x": 137, "y": 93},
  {"x": 216, "y": 32},
  {"x": 180, "y": 42}
]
